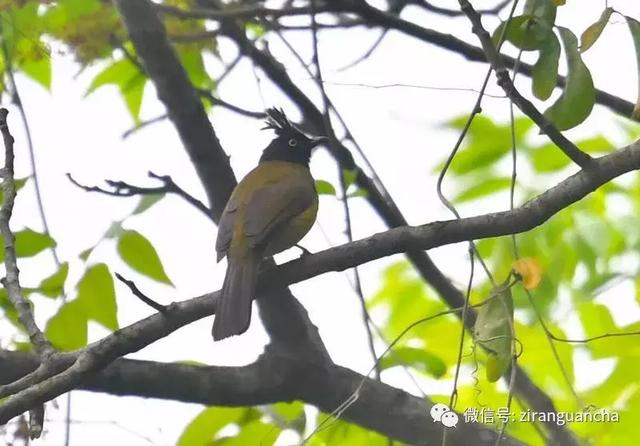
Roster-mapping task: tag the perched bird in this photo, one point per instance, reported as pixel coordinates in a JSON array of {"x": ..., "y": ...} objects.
[{"x": 269, "y": 211}]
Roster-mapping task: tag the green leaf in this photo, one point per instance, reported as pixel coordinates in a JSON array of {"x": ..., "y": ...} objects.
[
  {"x": 486, "y": 143},
  {"x": 578, "y": 97},
  {"x": 203, "y": 428},
  {"x": 114, "y": 231},
  {"x": 194, "y": 66},
  {"x": 544, "y": 10},
  {"x": 18, "y": 183},
  {"x": 9, "y": 310},
  {"x": 492, "y": 331},
  {"x": 359, "y": 192},
  {"x": 325, "y": 188},
  {"x": 117, "y": 73},
  {"x": 418, "y": 358},
  {"x": 141, "y": 256},
  {"x": 292, "y": 414},
  {"x": 255, "y": 30},
  {"x": 591, "y": 34},
  {"x": 596, "y": 144},
  {"x": 132, "y": 92},
  {"x": 29, "y": 243},
  {"x": 549, "y": 158},
  {"x": 545, "y": 70},
  {"x": 634, "y": 28},
  {"x": 128, "y": 78},
  {"x": 97, "y": 296},
  {"x": 255, "y": 432},
  {"x": 84, "y": 255},
  {"x": 67, "y": 329},
  {"x": 482, "y": 188},
  {"x": 595, "y": 232},
  {"x": 349, "y": 176},
  {"x": 53, "y": 286},
  {"x": 524, "y": 32},
  {"x": 339, "y": 432},
  {"x": 39, "y": 70},
  {"x": 146, "y": 201}
]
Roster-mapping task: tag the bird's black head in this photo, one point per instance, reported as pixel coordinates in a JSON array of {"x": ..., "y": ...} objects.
[{"x": 290, "y": 144}]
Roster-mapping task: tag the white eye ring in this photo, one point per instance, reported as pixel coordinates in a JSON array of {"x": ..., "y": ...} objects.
[{"x": 293, "y": 142}]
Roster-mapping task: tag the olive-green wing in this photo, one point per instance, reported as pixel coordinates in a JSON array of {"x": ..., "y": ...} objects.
[
  {"x": 225, "y": 227},
  {"x": 275, "y": 204}
]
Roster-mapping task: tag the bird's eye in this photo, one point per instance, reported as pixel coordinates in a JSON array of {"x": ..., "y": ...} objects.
[{"x": 293, "y": 142}]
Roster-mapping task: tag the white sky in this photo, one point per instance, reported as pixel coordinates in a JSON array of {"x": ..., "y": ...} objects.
[{"x": 398, "y": 128}]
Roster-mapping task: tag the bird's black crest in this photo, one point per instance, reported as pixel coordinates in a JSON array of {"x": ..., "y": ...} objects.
[{"x": 278, "y": 121}]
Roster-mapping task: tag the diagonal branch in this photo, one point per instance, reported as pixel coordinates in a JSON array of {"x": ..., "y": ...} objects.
[
  {"x": 524, "y": 218},
  {"x": 124, "y": 189},
  {"x": 387, "y": 209},
  {"x": 12, "y": 282},
  {"x": 504, "y": 80},
  {"x": 142, "y": 333}
]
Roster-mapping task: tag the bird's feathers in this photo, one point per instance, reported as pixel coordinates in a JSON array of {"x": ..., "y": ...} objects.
[
  {"x": 278, "y": 121},
  {"x": 233, "y": 313},
  {"x": 264, "y": 200}
]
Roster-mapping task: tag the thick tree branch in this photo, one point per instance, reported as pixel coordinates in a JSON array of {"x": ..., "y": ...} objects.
[
  {"x": 386, "y": 208},
  {"x": 379, "y": 407},
  {"x": 375, "y": 17},
  {"x": 136, "y": 336},
  {"x": 524, "y": 218},
  {"x": 181, "y": 100}
]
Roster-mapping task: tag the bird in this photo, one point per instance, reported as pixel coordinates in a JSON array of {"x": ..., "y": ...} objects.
[{"x": 269, "y": 211}]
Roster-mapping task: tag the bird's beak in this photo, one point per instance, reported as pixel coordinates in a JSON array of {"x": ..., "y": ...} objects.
[{"x": 319, "y": 140}]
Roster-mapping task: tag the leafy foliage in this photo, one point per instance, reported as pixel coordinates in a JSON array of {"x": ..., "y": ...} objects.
[
  {"x": 583, "y": 251},
  {"x": 576, "y": 101},
  {"x": 580, "y": 252}
]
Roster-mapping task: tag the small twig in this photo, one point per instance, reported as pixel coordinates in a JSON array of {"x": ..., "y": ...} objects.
[
  {"x": 172, "y": 187},
  {"x": 143, "y": 124},
  {"x": 123, "y": 189},
  {"x": 222, "y": 103},
  {"x": 11, "y": 282},
  {"x": 140, "y": 295},
  {"x": 36, "y": 421},
  {"x": 504, "y": 81}
]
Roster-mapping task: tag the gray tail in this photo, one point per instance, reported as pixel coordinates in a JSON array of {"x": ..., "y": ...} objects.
[{"x": 233, "y": 313}]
